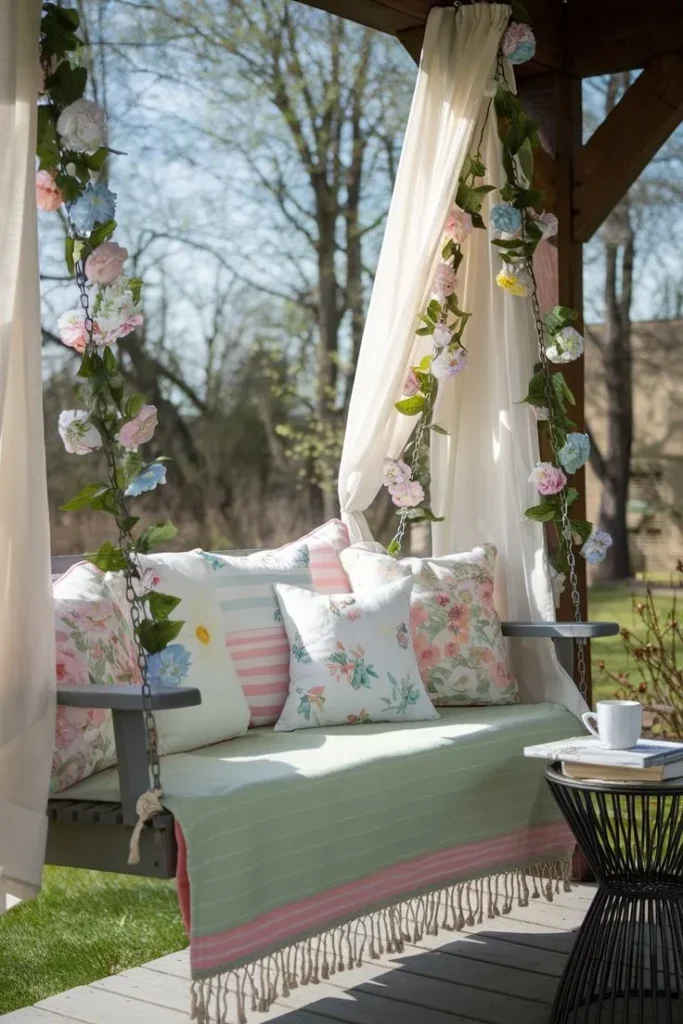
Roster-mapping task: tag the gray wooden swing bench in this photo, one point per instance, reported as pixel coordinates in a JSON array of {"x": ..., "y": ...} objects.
[{"x": 83, "y": 834}]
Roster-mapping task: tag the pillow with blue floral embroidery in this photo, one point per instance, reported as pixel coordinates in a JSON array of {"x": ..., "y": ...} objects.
[{"x": 351, "y": 658}]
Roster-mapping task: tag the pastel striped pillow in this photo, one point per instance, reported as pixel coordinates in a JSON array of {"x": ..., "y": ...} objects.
[{"x": 254, "y": 631}]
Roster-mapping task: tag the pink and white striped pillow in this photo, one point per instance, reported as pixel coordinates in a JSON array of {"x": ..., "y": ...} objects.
[{"x": 254, "y": 632}]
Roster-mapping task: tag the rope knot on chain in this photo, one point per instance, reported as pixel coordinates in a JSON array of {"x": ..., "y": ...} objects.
[{"x": 147, "y": 806}]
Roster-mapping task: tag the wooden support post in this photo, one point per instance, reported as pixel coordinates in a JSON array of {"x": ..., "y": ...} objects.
[
  {"x": 570, "y": 272},
  {"x": 626, "y": 141}
]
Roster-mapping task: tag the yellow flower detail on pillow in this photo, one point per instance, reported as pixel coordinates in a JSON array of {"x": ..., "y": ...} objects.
[{"x": 203, "y": 635}]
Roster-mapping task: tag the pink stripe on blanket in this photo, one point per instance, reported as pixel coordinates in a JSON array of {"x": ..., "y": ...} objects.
[{"x": 319, "y": 912}]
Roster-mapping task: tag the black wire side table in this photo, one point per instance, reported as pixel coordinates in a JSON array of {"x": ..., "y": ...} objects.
[{"x": 626, "y": 966}]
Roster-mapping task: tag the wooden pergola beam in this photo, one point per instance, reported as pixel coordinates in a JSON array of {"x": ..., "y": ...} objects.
[{"x": 622, "y": 147}]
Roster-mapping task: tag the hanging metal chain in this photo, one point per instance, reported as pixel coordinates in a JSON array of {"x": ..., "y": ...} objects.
[
  {"x": 133, "y": 570},
  {"x": 404, "y": 517},
  {"x": 565, "y": 519}
]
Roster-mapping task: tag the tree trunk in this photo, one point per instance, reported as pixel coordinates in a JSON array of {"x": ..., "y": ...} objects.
[{"x": 617, "y": 364}]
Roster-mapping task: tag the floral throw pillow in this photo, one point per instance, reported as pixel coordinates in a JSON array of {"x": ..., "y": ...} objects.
[
  {"x": 455, "y": 627},
  {"x": 351, "y": 658},
  {"x": 95, "y": 644}
]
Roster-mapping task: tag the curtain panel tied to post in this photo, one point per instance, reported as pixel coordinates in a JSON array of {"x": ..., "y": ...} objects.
[
  {"x": 480, "y": 472},
  {"x": 27, "y": 661}
]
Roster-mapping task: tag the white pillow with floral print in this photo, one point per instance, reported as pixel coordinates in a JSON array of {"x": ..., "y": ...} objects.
[
  {"x": 351, "y": 658},
  {"x": 456, "y": 631}
]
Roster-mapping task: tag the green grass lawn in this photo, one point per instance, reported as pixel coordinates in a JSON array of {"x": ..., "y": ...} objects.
[
  {"x": 84, "y": 926},
  {"x": 615, "y": 605}
]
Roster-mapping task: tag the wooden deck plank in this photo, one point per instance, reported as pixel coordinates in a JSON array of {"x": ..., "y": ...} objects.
[{"x": 505, "y": 968}]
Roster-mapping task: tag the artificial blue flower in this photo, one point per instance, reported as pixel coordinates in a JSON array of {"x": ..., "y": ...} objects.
[
  {"x": 522, "y": 53},
  {"x": 519, "y": 43},
  {"x": 95, "y": 205},
  {"x": 575, "y": 453},
  {"x": 595, "y": 548},
  {"x": 147, "y": 480},
  {"x": 168, "y": 667},
  {"x": 507, "y": 218}
]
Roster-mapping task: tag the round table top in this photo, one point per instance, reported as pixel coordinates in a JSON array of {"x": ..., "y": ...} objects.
[{"x": 672, "y": 787}]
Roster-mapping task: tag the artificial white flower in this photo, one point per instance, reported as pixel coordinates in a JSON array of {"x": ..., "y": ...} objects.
[
  {"x": 595, "y": 548},
  {"x": 395, "y": 472},
  {"x": 80, "y": 437},
  {"x": 82, "y": 126},
  {"x": 567, "y": 345},
  {"x": 442, "y": 335}
]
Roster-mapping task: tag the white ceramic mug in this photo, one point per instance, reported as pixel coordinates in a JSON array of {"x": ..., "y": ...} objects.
[{"x": 617, "y": 724}]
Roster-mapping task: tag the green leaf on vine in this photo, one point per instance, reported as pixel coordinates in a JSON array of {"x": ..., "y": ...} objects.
[
  {"x": 95, "y": 161},
  {"x": 448, "y": 249},
  {"x": 477, "y": 220},
  {"x": 135, "y": 285},
  {"x": 423, "y": 515},
  {"x": 101, "y": 233},
  {"x": 438, "y": 429},
  {"x": 154, "y": 535},
  {"x": 110, "y": 362},
  {"x": 394, "y": 549},
  {"x": 134, "y": 405},
  {"x": 543, "y": 513},
  {"x": 108, "y": 558},
  {"x": 507, "y": 243},
  {"x": 129, "y": 523},
  {"x": 561, "y": 388},
  {"x": 581, "y": 527},
  {"x": 561, "y": 316},
  {"x": 47, "y": 147},
  {"x": 411, "y": 406},
  {"x": 69, "y": 254},
  {"x": 154, "y": 636},
  {"x": 161, "y": 605},
  {"x": 67, "y": 84},
  {"x": 572, "y": 495},
  {"x": 424, "y": 331},
  {"x": 434, "y": 310},
  {"x": 84, "y": 498},
  {"x": 426, "y": 381},
  {"x": 526, "y": 159},
  {"x": 425, "y": 364},
  {"x": 69, "y": 186}
]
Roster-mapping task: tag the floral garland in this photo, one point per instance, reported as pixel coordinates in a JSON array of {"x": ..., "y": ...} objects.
[
  {"x": 72, "y": 158},
  {"x": 519, "y": 229}
]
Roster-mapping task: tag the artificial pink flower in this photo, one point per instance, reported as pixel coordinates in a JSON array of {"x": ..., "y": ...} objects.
[
  {"x": 395, "y": 472},
  {"x": 548, "y": 479},
  {"x": 105, "y": 264},
  {"x": 442, "y": 336},
  {"x": 110, "y": 335},
  {"x": 407, "y": 495},
  {"x": 140, "y": 430},
  {"x": 458, "y": 225},
  {"x": 445, "y": 281},
  {"x": 412, "y": 384},
  {"x": 71, "y": 327},
  {"x": 48, "y": 196}
]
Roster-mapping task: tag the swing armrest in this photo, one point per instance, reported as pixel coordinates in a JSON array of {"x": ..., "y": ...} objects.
[
  {"x": 127, "y": 698},
  {"x": 561, "y": 630},
  {"x": 130, "y": 733}
]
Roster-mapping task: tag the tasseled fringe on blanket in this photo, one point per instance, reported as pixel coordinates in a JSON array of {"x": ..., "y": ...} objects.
[{"x": 227, "y": 998}]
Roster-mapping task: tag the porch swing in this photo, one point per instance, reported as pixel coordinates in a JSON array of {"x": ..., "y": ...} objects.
[
  {"x": 396, "y": 828},
  {"x": 95, "y": 832}
]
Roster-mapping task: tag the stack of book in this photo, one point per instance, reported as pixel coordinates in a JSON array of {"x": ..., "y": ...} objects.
[{"x": 585, "y": 758}]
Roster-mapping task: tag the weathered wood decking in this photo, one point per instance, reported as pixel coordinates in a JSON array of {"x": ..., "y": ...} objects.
[{"x": 503, "y": 971}]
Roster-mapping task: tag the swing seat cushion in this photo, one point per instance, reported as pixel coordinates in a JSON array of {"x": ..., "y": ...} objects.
[{"x": 289, "y": 833}]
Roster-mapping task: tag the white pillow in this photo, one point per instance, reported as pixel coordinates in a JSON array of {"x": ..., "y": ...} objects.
[
  {"x": 197, "y": 657},
  {"x": 351, "y": 658}
]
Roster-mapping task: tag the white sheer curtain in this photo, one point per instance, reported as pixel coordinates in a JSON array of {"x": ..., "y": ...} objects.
[
  {"x": 458, "y": 59},
  {"x": 27, "y": 663},
  {"x": 480, "y": 472}
]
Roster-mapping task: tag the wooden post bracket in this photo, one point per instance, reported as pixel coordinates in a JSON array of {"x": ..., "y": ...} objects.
[{"x": 630, "y": 136}]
